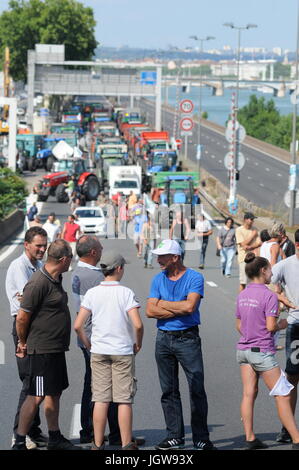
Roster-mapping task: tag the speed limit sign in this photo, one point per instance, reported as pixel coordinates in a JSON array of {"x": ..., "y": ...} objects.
[
  {"x": 186, "y": 106},
  {"x": 186, "y": 124}
]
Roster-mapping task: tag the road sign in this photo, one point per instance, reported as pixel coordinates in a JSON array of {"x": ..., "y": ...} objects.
[
  {"x": 186, "y": 124},
  {"x": 228, "y": 161},
  {"x": 148, "y": 78},
  {"x": 287, "y": 199},
  {"x": 184, "y": 133},
  {"x": 186, "y": 106},
  {"x": 240, "y": 133}
]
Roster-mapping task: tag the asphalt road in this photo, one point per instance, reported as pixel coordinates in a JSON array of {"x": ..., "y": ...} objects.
[
  {"x": 218, "y": 335},
  {"x": 263, "y": 180}
]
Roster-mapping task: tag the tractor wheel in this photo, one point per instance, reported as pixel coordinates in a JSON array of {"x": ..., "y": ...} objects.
[
  {"x": 42, "y": 198},
  {"x": 91, "y": 188},
  {"x": 31, "y": 164},
  {"x": 61, "y": 194},
  {"x": 49, "y": 164}
]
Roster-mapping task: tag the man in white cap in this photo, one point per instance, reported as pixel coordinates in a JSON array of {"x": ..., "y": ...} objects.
[{"x": 174, "y": 301}]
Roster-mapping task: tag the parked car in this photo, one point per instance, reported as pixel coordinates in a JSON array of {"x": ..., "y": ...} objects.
[{"x": 91, "y": 219}]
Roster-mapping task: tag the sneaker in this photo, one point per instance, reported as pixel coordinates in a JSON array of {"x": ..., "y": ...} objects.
[
  {"x": 204, "y": 445},
  {"x": 62, "y": 444},
  {"x": 145, "y": 265},
  {"x": 284, "y": 436},
  {"x": 201, "y": 266},
  {"x": 256, "y": 444},
  {"x": 227, "y": 275},
  {"x": 40, "y": 440},
  {"x": 150, "y": 266},
  {"x": 131, "y": 446},
  {"x": 95, "y": 447},
  {"x": 19, "y": 446},
  {"x": 171, "y": 443},
  {"x": 139, "y": 441},
  {"x": 30, "y": 444}
]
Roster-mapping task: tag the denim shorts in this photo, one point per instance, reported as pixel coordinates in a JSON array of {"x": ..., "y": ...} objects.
[{"x": 259, "y": 361}]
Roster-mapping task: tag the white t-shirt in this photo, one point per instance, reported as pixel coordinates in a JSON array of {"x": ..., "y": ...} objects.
[
  {"x": 203, "y": 226},
  {"x": 111, "y": 329},
  {"x": 52, "y": 231}
]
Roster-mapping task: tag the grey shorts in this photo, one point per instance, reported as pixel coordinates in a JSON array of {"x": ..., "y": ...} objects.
[{"x": 259, "y": 361}]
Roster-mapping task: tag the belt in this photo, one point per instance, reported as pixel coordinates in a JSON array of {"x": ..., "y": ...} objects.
[{"x": 180, "y": 333}]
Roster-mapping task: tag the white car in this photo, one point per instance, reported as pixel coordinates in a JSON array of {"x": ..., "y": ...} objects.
[{"x": 91, "y": 220}]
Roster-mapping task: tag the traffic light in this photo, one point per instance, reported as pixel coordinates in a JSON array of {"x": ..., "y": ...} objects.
[{"x": 237, "y": 175}]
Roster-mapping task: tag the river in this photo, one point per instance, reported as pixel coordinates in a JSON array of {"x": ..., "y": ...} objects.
[{"x": 218, "y": 107}]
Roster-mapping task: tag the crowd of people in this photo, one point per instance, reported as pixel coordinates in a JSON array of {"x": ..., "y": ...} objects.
[{"x": 268, "y": 269}]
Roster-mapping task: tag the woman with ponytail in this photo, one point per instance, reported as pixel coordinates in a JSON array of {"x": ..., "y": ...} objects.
[{"x": 257, "y": 321}]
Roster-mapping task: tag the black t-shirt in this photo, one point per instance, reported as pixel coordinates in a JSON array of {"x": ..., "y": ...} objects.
[
  {"x": 50, "y": 326},
  {"x": 288, "y": 248}
]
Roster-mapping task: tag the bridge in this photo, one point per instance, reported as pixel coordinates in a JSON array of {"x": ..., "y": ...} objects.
[
  {"x": 50, "y": 74},
  {"x": 277, "y": 87}
]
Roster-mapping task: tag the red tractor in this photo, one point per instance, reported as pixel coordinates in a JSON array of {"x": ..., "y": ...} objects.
[{"x": 54, "y": 184}]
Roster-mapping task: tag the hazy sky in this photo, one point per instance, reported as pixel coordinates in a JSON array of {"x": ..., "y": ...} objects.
[{"x": 160, "y": 23}]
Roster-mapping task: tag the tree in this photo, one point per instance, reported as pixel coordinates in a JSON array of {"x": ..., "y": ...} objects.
[{"x": 28, "y": 22}]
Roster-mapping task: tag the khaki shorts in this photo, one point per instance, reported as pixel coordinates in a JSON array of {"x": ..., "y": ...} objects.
[
  {"x": 113, "y": 378},
  {"x": 242, "y": 275}
]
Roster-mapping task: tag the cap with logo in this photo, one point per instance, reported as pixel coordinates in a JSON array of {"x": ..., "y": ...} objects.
[
  {"x": 112, "y": 259},
  {"x": 249, "y": 215},
  {"x": 168, "y": 247}
]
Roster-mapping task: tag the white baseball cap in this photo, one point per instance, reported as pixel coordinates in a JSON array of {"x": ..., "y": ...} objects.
[{"x": 168, "y": 247}]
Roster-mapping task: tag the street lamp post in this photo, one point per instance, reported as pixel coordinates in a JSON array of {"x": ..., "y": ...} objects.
[
  {"x": 293, "y": 190},
  {"x": 235, "y": 138},
  {"x": 201, "y": 41}
]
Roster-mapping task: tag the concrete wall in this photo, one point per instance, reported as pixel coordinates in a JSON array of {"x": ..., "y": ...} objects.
[{"x": 11, "y": 224}]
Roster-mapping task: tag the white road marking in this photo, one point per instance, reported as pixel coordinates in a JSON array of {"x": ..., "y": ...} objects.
[
  {"x": 278, "y": 174},
  {"x": 212, "y": 284},
  {"x": 76, "y": 422}
]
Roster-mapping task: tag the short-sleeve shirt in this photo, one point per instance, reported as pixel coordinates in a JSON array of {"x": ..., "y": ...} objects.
[
  {"x": 18, "y": 274},
  {"x": 111, "y": 328},
  {"x": 254, "y": 304},
  {"x": 286, "y": 272},
  {"x": 50, "y": 326},
  {"x": 243, "y": 234},
  {"x": 85, "y": 276},
  {"x": 52, "y": 231},
  {"x": 203, "y": 226},
  {"x": 163, "y": 288},
  {"x": 227, "y": 237}
]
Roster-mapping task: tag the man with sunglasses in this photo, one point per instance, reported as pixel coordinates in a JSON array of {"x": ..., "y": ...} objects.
[{"x": 43, "y": 328}]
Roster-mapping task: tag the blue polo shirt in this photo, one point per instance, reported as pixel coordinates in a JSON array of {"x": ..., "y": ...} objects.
[{"x": 174, "y": 291}]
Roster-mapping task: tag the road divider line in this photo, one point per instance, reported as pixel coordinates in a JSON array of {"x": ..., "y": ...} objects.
[{"x": 212, "y": 284}]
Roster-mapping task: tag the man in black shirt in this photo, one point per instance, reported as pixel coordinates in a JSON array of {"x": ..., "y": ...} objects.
[
  {"x": 286, "y": 244},
  {"x": 44, "y": 327}
]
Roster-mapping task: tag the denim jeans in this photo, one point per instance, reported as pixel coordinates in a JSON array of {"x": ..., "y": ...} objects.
[
  {"x": 202, "y": 251},
  {"x": 226, "y": 258},
  {"x": 148, "y": 255},
  {"x": 87, "y": 406},
  {"x": 186, "y": 351},
  {"x": 182, "y": 244}
]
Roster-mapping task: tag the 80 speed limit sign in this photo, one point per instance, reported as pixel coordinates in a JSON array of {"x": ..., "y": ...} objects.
[{"x": 186, "y": 124}]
